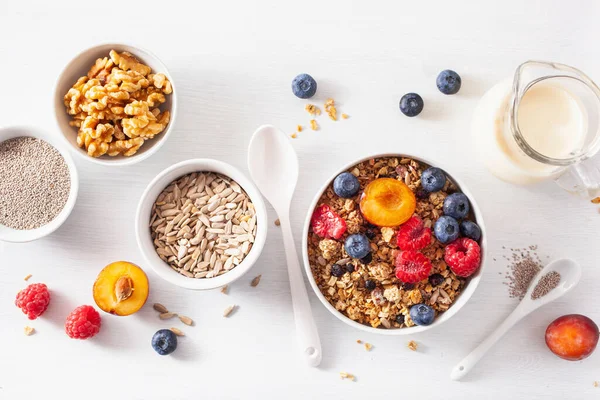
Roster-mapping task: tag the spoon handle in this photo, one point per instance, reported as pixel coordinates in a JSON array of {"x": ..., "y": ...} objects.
[
  {"x": 306, "y": 329},
  {"x": 469, "y": 361}
]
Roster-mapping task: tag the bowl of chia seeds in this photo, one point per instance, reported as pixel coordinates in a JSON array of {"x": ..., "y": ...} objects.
[{"x": 38, "y": 183}]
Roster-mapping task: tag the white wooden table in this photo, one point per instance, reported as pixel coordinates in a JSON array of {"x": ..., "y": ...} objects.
[{"x": 233, "y": 63}]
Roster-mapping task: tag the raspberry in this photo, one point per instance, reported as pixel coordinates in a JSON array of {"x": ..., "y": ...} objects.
[
  {"x": 412, "y": 267},
  {"x": 413, "y": 235},
  {"x": 83, "y": 323},
  {"x": 326, "y": 223},
  {"x": 33, "y": 300},
  {"x": 463, "y": 256}
]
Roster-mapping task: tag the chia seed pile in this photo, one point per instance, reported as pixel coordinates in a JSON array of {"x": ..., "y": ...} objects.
[
  {"x": 546, "y": 284},
  {"x": 34, "y": 183},
  {"x": 524, "y": 265}
]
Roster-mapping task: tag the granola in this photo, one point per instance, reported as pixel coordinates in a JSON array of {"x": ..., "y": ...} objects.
[{"x": 386, "y": 306}]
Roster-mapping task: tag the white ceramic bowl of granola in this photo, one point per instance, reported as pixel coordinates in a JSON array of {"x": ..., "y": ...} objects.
[
  {"x": 463, "y": 297},
  {"x": 144, "y": 210},
  {"x": 18, "y": 236},
  {"x": 78, "y": 67}
]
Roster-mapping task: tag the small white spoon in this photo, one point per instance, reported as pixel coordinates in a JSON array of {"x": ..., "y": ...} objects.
[
  {"x": 570, "y": 273},
  {"x": 273, "y": 166}
]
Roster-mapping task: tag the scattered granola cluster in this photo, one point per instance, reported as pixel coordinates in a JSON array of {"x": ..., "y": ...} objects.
[
  {"x": 116, "y": 106},
  {"x": 315, "y": 111},
  {"x": 369, "y": 291}
]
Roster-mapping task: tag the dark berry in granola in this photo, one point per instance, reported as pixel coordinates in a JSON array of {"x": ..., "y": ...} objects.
[
  {"x": 436, "y": 279},
  {"x": 346, "y": 185},
  {"x": 471, "y": 230},
  {"x": 421, "y": 194},
  {"x": 337, "y": 270},
  {"x": 400, "y": 318},
  {"x": 413, "y": 235},
  {"x": 446, "y": 229},
  {"x": 350, "y": 267},
  {"x": 370, "y": 284},
  {"x": 422, "y": 314},
  {"x": 366, "y": 260},
  {"x": 408, "y": 286},
  {"x": 357, "y": 245},
  {"x": 411, "y": 104},
  {"x": 371, "y": 233},
  {"x": 326, "y": 223},
  {"x": 304, "y": 86},
  {"x": 433, "y": 179},
  {"x": 456, "y": 205}
]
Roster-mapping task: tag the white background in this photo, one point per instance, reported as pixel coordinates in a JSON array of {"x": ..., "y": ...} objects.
[{"x": 233, "y": 63}]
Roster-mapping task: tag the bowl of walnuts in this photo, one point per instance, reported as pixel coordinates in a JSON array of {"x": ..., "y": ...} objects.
[{"x": 115, "y": 104}]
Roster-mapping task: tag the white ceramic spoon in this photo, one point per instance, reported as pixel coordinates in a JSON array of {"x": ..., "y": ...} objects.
[
  {"x": 273, "y": 166},
  {"x": 570, "y": 273}
]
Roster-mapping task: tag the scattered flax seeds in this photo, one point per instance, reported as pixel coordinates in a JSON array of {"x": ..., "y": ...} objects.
[
  {"x": 277, "y": 222},
  {"x": 313, "y": 125},
  {"x": 546, "y": 284},
  {"x": 524, "y": 265},
  {"x": 330, "y": 109},
  {"x": 27, "y": 277},
  {"x": 412, "y": 345},
  {"x": 29, "y": 331},
  {"x": 224, "y": 289},
  {"x": 345, "y": 375},
  {"x": 229, "y": 310},
  {"x": 255, "y": 281},
  {"x": 299, "y": 128},
  {"x": 368, "y": 346},
  {"x": 177, "y": 332}
]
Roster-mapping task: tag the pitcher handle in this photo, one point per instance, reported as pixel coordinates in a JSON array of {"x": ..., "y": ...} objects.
[{"x": 582, "y": 179}]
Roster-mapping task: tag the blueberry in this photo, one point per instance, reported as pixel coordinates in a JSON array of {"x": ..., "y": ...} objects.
[
  {"x": 304, "y": 86},
  {"x": 421, "y": 194},
  {"x": 471, "y": 230},
  {"x": 164, "y": 342},
  {"x": 337, "y": 270},
  {"x": 436, "y": 279},
  {"x": 366, "y": 260},
  {"x": 370, "y": 285},
  {"x": 408, "y": 286},
  {"x": 448, "y": 82},
  {"x": 350, "y": 267},
  {"x": 446, "y": 229},
  {"x": 346, "y": 185},
  {"x": 357, "y": 245},
  {"x": 433, "y": 179},
  {"x": 422, "y": 314},
  {"x": 400, "y": 318},
  {"x": 411, "y": 104},
  {"x": 456, "y": 206}
]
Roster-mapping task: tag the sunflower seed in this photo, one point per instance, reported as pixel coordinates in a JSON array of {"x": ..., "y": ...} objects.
[
  {"x": 177, "y": 332},
  {"x": 186, "y": 320},
  {"x": 160, "y": 308},
  {"x": 229, "y": 310},
  {"x": 167, "y": 315},
  {"x": 255, "y": 281}
]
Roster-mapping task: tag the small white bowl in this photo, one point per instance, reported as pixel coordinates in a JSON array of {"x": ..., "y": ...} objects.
[
  {"x": 144, "y": 210},
  {"x": 79, "y": 67},
  {"x": 468, "y": 290},
  {"x": 13, "y": 235}
]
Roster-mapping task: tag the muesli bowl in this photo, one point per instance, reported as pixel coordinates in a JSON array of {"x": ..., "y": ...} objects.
[
  {"x": 144, "y": 213},
  {"x": 459, "y": 297}
]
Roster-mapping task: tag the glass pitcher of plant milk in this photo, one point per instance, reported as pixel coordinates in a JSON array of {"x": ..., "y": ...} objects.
[{"x": 542, "y": 124}]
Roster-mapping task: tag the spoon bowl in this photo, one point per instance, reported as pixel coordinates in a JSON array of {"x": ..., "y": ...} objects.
[{"x": 570, "y": 274}]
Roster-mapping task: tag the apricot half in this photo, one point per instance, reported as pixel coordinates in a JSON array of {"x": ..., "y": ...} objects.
[
  {"x": 387, "y": 202},
  {"x": 121, "y": 288},
  {"x": 572, "y": 337}
]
